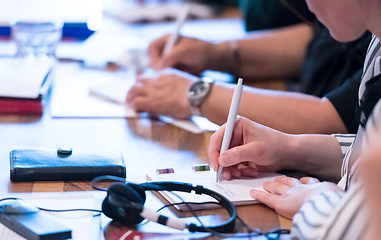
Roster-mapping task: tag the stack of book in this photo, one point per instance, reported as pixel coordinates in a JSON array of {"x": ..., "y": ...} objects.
[{"x": 24, "y": 83}]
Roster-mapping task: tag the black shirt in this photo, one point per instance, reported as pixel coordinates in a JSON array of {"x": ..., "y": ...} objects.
[{"x": 333, "y": 69}]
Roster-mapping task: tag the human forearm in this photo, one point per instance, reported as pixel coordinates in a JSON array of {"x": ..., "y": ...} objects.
[
  {"x": 316, "y": 155},
  {"x": 271, "y": 54},
  {"x": 284, "y": 111},
  {"x": 291, "y": 112}
]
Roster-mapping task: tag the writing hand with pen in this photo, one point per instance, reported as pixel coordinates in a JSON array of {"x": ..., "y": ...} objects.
[
  {"x": 253, "y": 148},
  {"x": 188, "y": 54}
]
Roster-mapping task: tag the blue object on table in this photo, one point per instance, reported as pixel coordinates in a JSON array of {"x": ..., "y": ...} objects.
[{"x": 74, "y": 30}]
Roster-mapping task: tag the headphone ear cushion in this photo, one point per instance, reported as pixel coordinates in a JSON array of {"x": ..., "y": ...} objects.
[
  {"x": 124, "y": 204},
  {"x": 139, "y": 190}
]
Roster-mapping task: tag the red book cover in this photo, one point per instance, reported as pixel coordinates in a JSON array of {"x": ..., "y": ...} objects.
[{"x": 21, "y": 106}]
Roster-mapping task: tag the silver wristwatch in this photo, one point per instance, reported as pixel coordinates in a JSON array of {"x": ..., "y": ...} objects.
[{"x": 198, "y": 92}]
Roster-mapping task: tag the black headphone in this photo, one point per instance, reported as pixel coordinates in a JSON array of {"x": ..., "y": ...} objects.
[{"x": 124, "y": 203}]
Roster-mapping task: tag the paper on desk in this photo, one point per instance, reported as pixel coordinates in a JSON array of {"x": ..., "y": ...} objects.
[
  {"x": 116, "y": 92},
  {"x": 23, "y": 77},
  {"x": 80, "y": 92},
  {"x": 71, "y": 96},
  {"x": 236, "y": 190},
  {"x": 196, "y": 124},
  {"x": 111, "y": 43}
]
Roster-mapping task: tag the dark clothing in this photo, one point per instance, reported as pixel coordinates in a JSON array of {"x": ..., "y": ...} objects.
[
  {"x": 369, "y": 99},
  {"x": 328, "y": 63},
  {"x": 345, "y": 101},
  {"x": 266, "y": 14},
  {"x": 333, "y": 69}
]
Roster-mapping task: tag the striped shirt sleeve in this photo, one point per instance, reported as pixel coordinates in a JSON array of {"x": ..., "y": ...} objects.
[
  {"x": 331, "y": 215},
  {"x": 345, "y": 141}
]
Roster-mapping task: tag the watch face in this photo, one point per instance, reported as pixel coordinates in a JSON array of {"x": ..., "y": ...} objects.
[
  {"x": 198, "y": 91},
  {"x": 199, "y": 88}
]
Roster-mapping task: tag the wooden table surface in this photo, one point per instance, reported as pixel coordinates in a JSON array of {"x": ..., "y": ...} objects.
[{"x": 147, "y": 144}]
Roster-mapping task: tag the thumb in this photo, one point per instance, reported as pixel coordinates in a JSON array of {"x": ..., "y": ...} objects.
[
  {"x": 168, "y": 61},
  {"x": 174, "y": 57},
  {"x": 236, "y": 155},
  {"x": 231, "y": 157},
  {"x": 155, "y": 51}
]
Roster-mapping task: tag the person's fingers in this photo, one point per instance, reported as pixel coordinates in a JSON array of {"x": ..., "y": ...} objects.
[
  {"x": 235, "y": 173},
  {"x": 215, "y": 146},
  {"x": 309, "y": 180},
  {"x": 275, "y": 187},
  {"x": 143, "y": 79},
  {"x": 289, "y": 181},
  {"x": 238, "y": 154},
  {"x": 238, "y": 171},
  {"x": 155, "y": 51},
  {"x": 247, "y": 171},
  {"x": 171, "y": 59},
  {"x": 142, "y": 104},
  {"x": 265, "y": 197},
  {"x": 242, "y": 165},
  {"x": 226, "y": 174},
  {"x": 135, "y": 91}
]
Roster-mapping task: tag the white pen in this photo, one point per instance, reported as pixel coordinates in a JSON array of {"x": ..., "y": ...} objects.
[
  {"x": 236, "y": 99},
  {"x": 175, "y": 35}
]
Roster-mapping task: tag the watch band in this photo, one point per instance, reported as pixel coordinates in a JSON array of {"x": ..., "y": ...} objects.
[{"x": 196, "y": 111}]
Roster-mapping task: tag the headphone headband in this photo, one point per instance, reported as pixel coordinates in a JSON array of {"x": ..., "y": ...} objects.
[
  {"x": 113, "y": 205},
  {"x": 228, "y": 226}
]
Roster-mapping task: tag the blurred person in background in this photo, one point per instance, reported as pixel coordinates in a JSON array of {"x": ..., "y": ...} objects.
[{"x": 329, "y": 73}]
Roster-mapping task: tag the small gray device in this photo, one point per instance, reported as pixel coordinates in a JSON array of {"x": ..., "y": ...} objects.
[
  {"x": 28, "y": 221},
  {"x": 198, "y": 92}
]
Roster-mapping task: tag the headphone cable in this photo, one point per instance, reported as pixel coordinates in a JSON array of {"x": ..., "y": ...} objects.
[
  {"x": 215, "y": 233},
  {"x": 251, "y": 232}
]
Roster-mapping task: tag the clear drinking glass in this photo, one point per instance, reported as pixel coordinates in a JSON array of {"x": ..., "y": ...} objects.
[{"x": 36, "y": 38}]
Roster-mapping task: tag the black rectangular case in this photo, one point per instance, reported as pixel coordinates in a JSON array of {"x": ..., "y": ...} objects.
[{"x": 64, "y": 165}]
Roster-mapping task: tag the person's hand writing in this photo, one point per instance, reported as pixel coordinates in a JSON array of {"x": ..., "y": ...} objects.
[
  {"x": 253, "y": 148},
  {"x": 188, "y": 54},
  {"x": 286, "y": 195},
  {"x": 165, "y": 94}
]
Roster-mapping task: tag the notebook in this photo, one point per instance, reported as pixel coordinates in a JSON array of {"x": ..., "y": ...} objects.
[{"x": 236, "y": 190}]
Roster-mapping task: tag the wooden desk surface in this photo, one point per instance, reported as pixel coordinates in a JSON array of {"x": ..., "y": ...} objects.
[{"x": 147, "y": 145}]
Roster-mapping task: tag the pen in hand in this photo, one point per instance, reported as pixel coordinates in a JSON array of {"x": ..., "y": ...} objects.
[
  {"x": 175, "y": 35},
  {"x": 236, "y": 99}
]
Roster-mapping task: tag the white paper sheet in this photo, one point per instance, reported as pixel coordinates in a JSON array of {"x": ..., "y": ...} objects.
[
  {"x": 236, "y": 190},
  {"x": 80, "y": 92},
  {"x": 71, "y": 95},
  {"x": 23, "y": 77}
]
